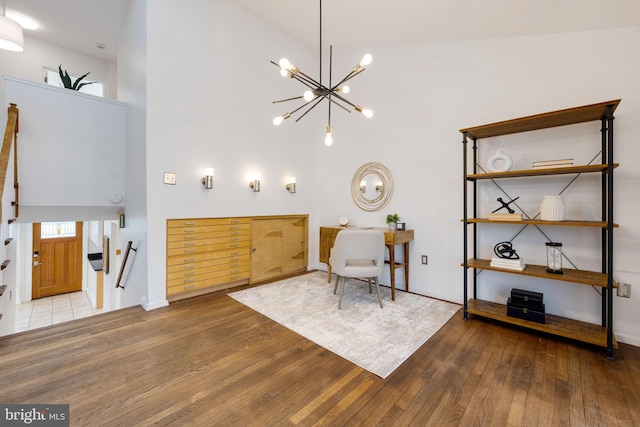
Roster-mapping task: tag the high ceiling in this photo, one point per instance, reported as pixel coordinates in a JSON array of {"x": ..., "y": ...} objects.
[
  {"x": 80, "y": 24},
  {"x": 75, "y": 24}
]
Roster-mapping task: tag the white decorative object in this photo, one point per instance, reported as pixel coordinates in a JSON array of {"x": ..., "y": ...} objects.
[
  {"x": 499, "y": 162},
  {"x": 553, "y": 208},
  {"x": 343, "y": 221}
]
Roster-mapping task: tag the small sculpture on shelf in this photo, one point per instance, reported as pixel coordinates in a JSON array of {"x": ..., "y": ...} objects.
[
  {"x": 506, "y": 257},
  {"x": 505, "y": 205},
  {"x": 505, "y": 250},
  {"x": 511, "y": 216}
]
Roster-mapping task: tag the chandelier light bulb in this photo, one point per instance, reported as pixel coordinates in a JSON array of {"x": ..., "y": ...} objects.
[
  {"x": 366, "y": 60},
  {"x": 344, "y": 89},
  {"x": 285, "y": 67},
  {"x": 284, "y": 63},
  {"x": 368, "y": 113},
  {"x": 328, "y": 139},
  {"x": 308, "y": 95},
  {"x": 277, "y": 121}
]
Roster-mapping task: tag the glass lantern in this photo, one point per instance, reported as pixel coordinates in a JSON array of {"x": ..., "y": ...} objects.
[{"x": 554, "y": 257}]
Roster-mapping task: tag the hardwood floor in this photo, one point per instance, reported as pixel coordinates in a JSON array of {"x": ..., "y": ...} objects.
[{"x": 210, "y": 361}]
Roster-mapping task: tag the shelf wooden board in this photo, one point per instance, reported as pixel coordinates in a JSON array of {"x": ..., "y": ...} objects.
[
  {"x": 569, "y": 223},
  {"x": 574, "y": 276},
  {"x": 569, "y": 116},
  {"x": 555, "y": 325},
  {"x": 540, "y": 172}
]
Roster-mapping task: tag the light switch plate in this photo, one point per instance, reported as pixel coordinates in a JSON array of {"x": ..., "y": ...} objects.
[{"x": 170, "y": 178}]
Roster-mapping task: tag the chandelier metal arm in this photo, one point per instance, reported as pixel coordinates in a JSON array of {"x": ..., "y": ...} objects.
[
  {"x": 343, "y": 99},
  {"x": 310, "y": 108},
  {"x": 337, "y": 103},
  {"x": 301, "y": 107},
  {"x": 348, "y": 77},
  {"x": 301, "y": 77},
  {"x": 288, "y": 99}
]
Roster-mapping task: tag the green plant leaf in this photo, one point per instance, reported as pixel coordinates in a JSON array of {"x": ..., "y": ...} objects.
[
  {"x": 76, "y": 84},
  {"x": 84, "y": 84},
  {"x": 64, "y": 77}
]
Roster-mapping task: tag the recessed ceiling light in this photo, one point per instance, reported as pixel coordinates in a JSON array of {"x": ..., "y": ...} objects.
[{"x": 26, "y": 22}]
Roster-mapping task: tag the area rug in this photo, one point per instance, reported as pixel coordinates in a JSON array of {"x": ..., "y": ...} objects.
[{"x": 376, "y": 339}]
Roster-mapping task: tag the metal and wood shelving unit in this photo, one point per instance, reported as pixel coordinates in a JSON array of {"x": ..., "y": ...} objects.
[{"x": 601, "y": 335}]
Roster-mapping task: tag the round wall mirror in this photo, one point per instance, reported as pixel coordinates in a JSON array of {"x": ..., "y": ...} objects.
[{"x": 372, "y": 186}]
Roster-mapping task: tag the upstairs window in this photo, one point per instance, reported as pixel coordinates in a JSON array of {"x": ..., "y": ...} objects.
[{"x": 52, "y": 77}]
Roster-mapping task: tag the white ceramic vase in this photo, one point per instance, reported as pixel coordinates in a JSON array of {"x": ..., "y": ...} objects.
[
  {"x": 553, "y": 208},
  {"x": 499, "y": 162}
]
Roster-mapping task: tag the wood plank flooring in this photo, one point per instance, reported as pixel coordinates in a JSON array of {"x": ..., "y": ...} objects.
[{"x": 210, "y": 361}]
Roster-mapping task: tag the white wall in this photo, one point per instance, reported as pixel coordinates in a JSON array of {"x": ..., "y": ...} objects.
[
  {"x": 68, "y": 160},
  {"x": 132, "y": 75},
  {"x": 210, "y": 93},
  {"x": 423, "y": 95},
  {"x": 209, "y": 105}
]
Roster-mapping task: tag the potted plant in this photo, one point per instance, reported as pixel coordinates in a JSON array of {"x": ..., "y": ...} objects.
[
  {"x": 392, "y": 220},
  {"x": 66, "y": 80}
]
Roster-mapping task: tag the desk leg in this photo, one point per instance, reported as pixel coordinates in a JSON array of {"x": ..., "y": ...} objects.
[
  {"x": 392, "y": 271},
  {"x": 406, "y": 266},
  {"x": 328, "y": 273}
]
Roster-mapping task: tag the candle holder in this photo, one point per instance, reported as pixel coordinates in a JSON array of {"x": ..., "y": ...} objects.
[{"x": 554, "y": 257}]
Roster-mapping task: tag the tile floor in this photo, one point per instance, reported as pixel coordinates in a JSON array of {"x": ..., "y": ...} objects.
[{"x": 51, "y": 310}]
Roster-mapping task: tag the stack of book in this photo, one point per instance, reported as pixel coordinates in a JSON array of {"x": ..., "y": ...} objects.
[
  {"x": 546, "y": 164},
  {"x": 505, "y": 217},
  {"x": 508, "y": 263}
]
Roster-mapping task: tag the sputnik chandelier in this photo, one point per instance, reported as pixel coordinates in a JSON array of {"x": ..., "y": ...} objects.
[{"x": 317, "y": 91}]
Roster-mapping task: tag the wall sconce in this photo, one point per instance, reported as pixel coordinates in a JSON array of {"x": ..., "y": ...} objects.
[
  {"x": 379, "y": 187},
  {"x": 363, "y": 186},
  {"x": 254, "y": 184},
  {"x": 291, "y": 186},
  {"x": 207, "y": 179}
]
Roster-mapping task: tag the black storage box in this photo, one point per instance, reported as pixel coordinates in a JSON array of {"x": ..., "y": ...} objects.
[
  {"x": 527, "y": 299},
  {"x": 525, "y": 313}
]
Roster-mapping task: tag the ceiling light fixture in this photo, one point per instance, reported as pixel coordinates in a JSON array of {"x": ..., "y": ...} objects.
[
  {"x": 24, "y": 21},
  {"x": 317, "y": 91},
  {"x": 11, "y": 36}
]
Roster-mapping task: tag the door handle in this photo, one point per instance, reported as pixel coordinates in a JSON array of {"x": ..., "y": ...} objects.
[{"x": 36, "y": 264}]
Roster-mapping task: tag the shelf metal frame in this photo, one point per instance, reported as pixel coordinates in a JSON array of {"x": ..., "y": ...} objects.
[{"x": 601, "y": 111}]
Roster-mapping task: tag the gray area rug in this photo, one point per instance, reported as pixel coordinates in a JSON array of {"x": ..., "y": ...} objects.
[{"x": 377, "y": 339}]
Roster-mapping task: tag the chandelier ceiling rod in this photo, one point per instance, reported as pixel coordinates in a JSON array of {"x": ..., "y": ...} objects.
[{"x": 318, "y": 91}]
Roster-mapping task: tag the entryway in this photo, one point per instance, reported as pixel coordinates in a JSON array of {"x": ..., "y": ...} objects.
[
  {"x": 51, "y": 310},
  {"x": 56, "y": 281},
  {"x": 57, "y": 258}
]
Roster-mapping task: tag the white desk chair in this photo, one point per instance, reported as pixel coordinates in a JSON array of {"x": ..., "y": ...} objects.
[{"x": 357, "y": 254}]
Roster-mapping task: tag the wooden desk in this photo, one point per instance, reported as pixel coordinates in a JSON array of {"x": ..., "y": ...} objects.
[{"x": 391, "y": 239}]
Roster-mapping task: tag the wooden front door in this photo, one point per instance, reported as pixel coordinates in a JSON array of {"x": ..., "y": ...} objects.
[{"x": 57, "y": 262}]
